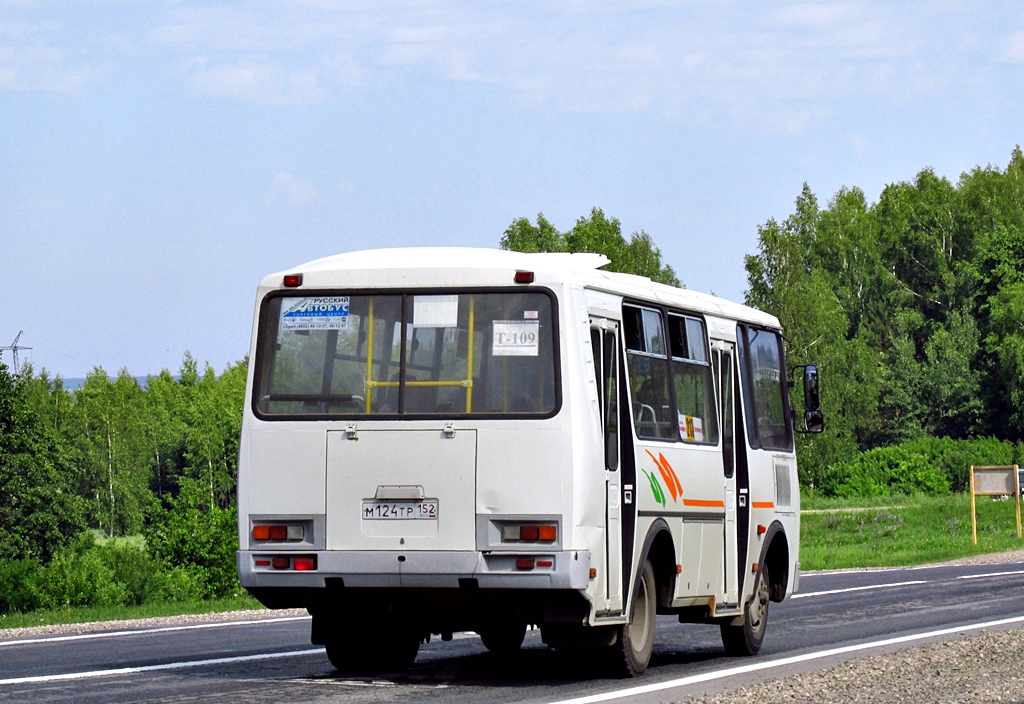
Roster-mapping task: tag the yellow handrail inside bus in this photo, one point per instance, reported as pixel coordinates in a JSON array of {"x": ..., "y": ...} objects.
[
  {"x": 369, "y": 357},
  {"x": 469, "y": 356},
  {"x": 467, "y": 383},
  {"x": 412, "y": 382}
]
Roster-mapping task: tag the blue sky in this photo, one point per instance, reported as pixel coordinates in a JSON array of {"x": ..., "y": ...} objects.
[{"x": 157, "y": 158}]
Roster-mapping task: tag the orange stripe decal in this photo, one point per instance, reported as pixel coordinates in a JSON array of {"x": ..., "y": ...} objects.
[
  {"x": 763, "y": 504},
  {"x": 704, "y": 503},
  {"x": 668, "y": 474},
  {"x": 671, "y": 471}
]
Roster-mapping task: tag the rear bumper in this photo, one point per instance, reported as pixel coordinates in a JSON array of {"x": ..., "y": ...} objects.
[{"x": 569, "y": 569}]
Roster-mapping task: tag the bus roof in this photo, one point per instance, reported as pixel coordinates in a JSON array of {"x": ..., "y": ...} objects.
[
  {"x": 457, "y": 258},
  {"x": 582, "y": 268}
]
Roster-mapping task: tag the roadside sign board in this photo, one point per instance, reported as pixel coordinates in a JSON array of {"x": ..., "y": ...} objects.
[{"x": 994, "y": 481}]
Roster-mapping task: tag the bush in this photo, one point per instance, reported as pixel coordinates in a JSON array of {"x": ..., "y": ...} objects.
[
  {"x": 929, "y": 466},
  {"x": 15, "y": 594},
  {"x": 184, "y": 584},
  {"x": 134, "y": 569},
  {"x": 75, "y": 578},
  {"x": 194, "y": 536},
  {"x": 899, "y": 469}
]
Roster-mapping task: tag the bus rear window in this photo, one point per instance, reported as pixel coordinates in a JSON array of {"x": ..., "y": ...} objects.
[{"x": 337, "y": 354}]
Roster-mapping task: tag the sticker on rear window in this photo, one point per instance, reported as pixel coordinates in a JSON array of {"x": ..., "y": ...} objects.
[
  {"x": 515, "y": 338},
  {"x": 319, "y": 313},
  {"x": 435, "y": 311}
]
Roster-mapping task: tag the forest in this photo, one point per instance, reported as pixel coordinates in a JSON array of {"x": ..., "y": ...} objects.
[
  {"x": 121, "y": 492},
  {"x": 913, "y": 308},
  {"x": 151, "y": 466}
]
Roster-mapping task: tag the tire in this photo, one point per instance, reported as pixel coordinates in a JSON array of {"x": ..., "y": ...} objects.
[
  {"x": 632, "y": 650},
  {"x": 375, "y": 656},
  {"x": 503, "y": 638},
  {"x": 746, "y": 639}
]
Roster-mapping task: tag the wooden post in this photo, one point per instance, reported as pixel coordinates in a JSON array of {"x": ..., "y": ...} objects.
[
  {"x": 974, "y": 511},
  {"x": 1016, "y": 495}
]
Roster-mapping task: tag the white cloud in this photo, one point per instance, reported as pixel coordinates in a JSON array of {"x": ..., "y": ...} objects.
[
  {"x": 705, "y": 60},
  {"x": 39, "y": 68},
  {"x": 34, "y": 56},
  {"x": 290, "y": 189},
  {"x": 1013, "y": 49},
  {"x": 256, "y": 80}
]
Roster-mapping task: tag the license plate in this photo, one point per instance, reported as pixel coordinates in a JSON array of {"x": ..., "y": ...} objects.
[{"x": 400, "y": 510}]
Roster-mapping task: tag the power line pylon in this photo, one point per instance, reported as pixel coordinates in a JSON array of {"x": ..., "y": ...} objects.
[{"x": 14, "y": 347}]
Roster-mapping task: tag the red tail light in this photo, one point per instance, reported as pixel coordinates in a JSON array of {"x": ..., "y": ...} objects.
[{"x": 304, "y": 564}]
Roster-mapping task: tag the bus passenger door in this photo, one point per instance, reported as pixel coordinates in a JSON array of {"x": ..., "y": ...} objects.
[
  {"x": 604, "y": 336},
  {"x": 723, "y": 356}
]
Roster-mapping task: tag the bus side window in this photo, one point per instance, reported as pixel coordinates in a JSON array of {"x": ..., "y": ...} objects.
[
  {"x": 611, "y": 393},
  {"x": 691, "y": 376},
  {"x": 647, "y": 367},
  {"x": 763, "y": 373},
  {"x": 606, "y": 372}
]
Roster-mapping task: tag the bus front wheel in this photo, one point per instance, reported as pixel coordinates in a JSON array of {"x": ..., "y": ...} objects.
[{"x": 747, "y": 638}]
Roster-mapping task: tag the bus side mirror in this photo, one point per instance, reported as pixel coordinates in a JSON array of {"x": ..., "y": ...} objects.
[
  {"x": 814, "y": 419},
  {"x": 812, "y": 399}
]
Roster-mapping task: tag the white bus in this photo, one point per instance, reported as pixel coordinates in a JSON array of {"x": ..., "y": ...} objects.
[{"x": 439, "y": 440}]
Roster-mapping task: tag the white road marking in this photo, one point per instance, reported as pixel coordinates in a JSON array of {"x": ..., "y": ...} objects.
[
  {"x": 147, "y": 631},
  {"x": 873, "y": 570},
  {"x": 858, "y": 589},
  {"x": 154, "y": 668},
  {"x": 172, "y": 665},
  {"x": 990, "y": 574},
  {"x": 767, "y": 665}
]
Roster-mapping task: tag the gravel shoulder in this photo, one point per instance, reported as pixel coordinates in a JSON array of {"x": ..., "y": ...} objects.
[
  {"x": 981, "y": 668},
  {"x": 67, "y": 629},
  {"x": 986, "y": 667}
]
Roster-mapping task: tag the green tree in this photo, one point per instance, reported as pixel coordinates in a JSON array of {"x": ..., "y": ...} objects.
[
  {"x": 950, "y": 388},
  {"x": 594, "y": 233},
  {"x": 796, "y": 275},
  {"x": 1005, "y": 344},
  {"x": 522, "y": 236},
  {"x": 930, "y": 281},
  {"x": 165, "y": 429},
  {"x": 39, "y": 511},
  {"x": 213, "y": 414},
  {"x": 643, "y": 258},
  {"x": 115, "y": 452}
]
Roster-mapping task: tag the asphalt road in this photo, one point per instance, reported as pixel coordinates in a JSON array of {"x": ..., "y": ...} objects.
[{"x": 271, "y": 660}]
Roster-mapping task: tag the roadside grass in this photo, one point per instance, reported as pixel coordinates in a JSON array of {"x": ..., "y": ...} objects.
[
  {"x": 898, "y": 531},
  {"x": 88, "y": 614}
]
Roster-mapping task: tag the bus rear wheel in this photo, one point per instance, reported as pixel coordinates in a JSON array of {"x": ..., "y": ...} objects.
[
  {"x": 747, "y": 638},
  {"x": 376, "y": 655},
  {"x": 632, "y": 650},
  {"x": 503, "y": 637}
]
